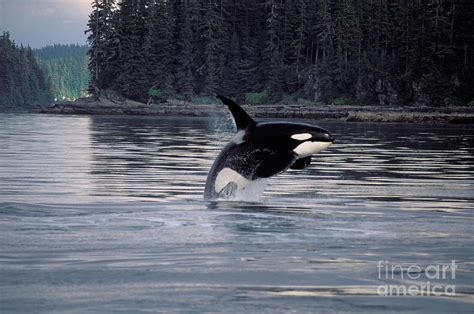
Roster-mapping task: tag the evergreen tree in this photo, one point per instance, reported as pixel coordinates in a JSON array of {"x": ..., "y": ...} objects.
[
  {"x": 100, "y": 30},
  {"x": 23, "y": 85},
  {"x": 66, "y": 66},
  {"x": 183, "y": 36},
  {"x": 272, "y": 54},
  {"x": 159, "y": 47},
  {"x": 231, "y": 77},
  {"x": 207, "y": 32},
  {"x": 386, "y": 52},
  {"x": 131, "y": 28}
]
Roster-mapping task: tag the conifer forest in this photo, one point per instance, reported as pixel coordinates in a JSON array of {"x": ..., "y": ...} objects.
[
  {"x": 360, "y": 51},
  {"x": 23, "y": 84},
  {"x": 66, "y": 66}
]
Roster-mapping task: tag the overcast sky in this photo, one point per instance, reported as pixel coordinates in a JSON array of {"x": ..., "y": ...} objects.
[{"x": 44, "y": 22}]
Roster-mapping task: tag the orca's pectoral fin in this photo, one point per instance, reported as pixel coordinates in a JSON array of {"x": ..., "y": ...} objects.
[
  {"x": 274, "y": 164},
  {"x": 228, "y": 191},
  {"x": 301, "y": 163},
  {"x": 241, "y": 118}
]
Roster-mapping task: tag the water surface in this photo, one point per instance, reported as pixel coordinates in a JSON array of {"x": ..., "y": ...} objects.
[{"x": 106, "y": 214}]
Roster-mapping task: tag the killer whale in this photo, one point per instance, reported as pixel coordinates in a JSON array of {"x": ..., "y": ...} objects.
[{"x": 260, "y": 150}]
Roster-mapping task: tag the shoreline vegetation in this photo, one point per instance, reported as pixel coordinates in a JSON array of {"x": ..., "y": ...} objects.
[
  {"x": 106, "y": 105},
  {"x": 385, "y": 53},
  {"x": 308, "y": 59}
]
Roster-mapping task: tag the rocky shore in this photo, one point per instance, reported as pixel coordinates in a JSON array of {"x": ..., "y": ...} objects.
[{"x": 423, "y": 114}]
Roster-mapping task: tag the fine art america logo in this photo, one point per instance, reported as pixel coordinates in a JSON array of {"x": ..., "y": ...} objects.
[{"x": 420, "y": 279}]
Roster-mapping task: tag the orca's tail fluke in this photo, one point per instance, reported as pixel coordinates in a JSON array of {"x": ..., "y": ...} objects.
[{"x": 241, "y": 118}]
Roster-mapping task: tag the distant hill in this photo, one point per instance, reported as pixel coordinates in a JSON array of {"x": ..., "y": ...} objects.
[
  {"x": 66, "y": 66},
  {"x": 23, "y": 85}
]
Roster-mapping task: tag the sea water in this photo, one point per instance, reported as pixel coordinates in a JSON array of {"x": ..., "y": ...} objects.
[{"x": 106, "y": 214}]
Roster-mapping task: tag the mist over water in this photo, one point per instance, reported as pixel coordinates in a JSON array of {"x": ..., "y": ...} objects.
[{"x": 105, "y": 213}]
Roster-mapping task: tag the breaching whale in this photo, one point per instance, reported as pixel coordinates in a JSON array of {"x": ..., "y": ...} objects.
[{"x": 260, "y": 150}]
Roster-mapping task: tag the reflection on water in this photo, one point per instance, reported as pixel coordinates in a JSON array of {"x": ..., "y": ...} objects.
[
  {"x": 149, "y": 158},
  {"x": 99, "y": 213},
  {"x": 59, "y": 159}
]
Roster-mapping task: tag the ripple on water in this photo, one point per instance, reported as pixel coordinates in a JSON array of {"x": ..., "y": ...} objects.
[{"x": 100, "y": 213}]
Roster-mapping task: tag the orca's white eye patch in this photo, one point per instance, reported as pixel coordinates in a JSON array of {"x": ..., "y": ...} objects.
[{"x": 301, "y": 136}]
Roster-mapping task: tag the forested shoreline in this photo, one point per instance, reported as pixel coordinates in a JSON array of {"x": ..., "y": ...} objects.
[
  {"x": 66, "y": 66},
  {"x": 382, "y": 52},
  {"x": 23, "y": 85}
]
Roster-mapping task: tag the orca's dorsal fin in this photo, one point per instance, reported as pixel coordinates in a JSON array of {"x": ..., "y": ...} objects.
[{"x": 241, "y": 118}]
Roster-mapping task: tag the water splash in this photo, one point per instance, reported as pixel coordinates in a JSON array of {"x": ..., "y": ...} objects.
[{"x": 252, "y": 192}]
